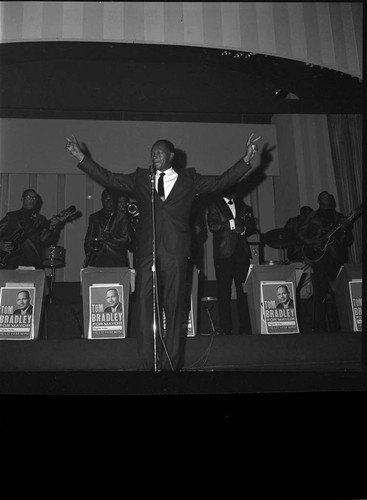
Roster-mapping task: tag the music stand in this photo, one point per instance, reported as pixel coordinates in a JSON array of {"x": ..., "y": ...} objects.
[
  {"x": 54, "y": 260},
  {"x": 208, "y": 306}
]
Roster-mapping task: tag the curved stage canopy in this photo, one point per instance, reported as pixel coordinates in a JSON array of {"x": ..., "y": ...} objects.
[{"x": 326, "y": 34}]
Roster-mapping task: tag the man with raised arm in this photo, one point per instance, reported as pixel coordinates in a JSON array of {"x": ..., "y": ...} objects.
[{"x": 172, "y": 193}]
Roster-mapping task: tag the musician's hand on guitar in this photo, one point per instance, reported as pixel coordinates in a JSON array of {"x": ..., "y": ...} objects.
[
  {"x": 54, "y": 222},
  {"x": 6, "y": 246},
  {"x": 73, "y": 146}
]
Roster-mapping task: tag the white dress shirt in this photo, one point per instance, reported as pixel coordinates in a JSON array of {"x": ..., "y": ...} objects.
[
  {"x": 232, "y": 206},
  {"x": 169, "y": 180}
]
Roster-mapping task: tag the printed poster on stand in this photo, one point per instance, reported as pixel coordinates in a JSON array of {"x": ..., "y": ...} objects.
[
  {"x": 16, "y": 311},
  {"x": 106, "y": 311},
  {"x": 355, "y": 293},
  {"x": 278, "y": 307}
]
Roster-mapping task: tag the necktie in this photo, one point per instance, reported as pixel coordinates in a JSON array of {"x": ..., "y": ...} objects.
[
  {"x": 230, "y": 202},
  {"x": 160, "y": 186}
]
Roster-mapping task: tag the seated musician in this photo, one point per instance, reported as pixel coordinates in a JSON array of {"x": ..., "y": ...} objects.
[
  {"x": 295, "y": 248},
  {"x": 24, "y": 232},
  {"x": 326, "y": 257},
  {"x": 108, "y": 236}
]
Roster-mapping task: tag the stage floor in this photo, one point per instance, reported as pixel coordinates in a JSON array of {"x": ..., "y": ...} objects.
[
  {"x": 61, "y": 361},
  {"x": 292, "y": 352}
]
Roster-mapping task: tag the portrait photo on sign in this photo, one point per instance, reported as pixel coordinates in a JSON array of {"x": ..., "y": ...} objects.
[
  {"x": 106, "y": 311},
  {"x": 16, "y": 312},
  {"x": 278, "y": 307}
]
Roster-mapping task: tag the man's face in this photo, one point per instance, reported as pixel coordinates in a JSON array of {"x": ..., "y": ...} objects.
[
  {"x": 161, "y": 157},
  {"x": 108, "y": 203},
  {"x": 112, "y": 298},
  {"x": 326, "y": 201},
  {"x": 30, "y": 200},
  {"x": 283, "y": 295},
  {"x": 23, "y": 300}
]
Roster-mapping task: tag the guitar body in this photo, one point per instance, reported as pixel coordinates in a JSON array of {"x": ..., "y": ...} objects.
[
  {"x": 313, "y": 254},
  {"x": 317, "y": 253},
  {"x": 4, "y": 256},
  {"x": 22, "y": 235}
]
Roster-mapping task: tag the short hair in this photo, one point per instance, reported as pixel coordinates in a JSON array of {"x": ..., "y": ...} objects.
[
  {"x": 329, "y": 194},
  {"x": 26, "y": 191},
  {"x": 26, "y": 292},
  {"x": 305, "y": 210},
  {"x": 169, "y": 145},
  {"x": 283, "y": 286},
  {"x": 108, "y": 192},
  {"x": 113, "y": 290}
]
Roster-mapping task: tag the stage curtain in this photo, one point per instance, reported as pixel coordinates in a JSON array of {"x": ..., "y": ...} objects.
[{"x": 345, "y": 133}]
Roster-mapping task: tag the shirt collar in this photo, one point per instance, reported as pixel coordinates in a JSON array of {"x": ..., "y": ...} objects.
[{"x": 169, "y": 172}]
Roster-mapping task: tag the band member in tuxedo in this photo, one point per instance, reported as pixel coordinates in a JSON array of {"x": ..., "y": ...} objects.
[
  {"x": 312, "y": 233},
  {"x": 108, "y": 234},
  {"x": 173, "y": 193},
  {"x": 113, "y": 301},
  {"x": 24, "y": 232},
  {"x": 24, "y": 303},
  {"x": 231, "y": 222},
  {"x": 284, "y": 297}
]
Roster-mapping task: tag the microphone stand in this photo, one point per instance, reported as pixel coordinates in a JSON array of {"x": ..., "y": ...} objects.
[
  {"x": 156, "y": 309},
  {"x": 154, "y": 270}
]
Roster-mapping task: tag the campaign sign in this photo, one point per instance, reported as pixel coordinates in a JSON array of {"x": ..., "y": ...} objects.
[
  {"x": 355, "y": 293},
  {"x": 16, "y": 312},
  {"x": 106, "y": 314},
  {"x": 278, "y": 307}
]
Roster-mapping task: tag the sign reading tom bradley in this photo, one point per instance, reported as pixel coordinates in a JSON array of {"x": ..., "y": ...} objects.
[
  {"x": 16, "y": 312},
  {"x": 278, "y": 307},
  {"x": 106, "y": 315}
]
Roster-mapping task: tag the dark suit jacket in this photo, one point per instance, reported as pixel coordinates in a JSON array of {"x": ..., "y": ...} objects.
[
  {"x": 225, "y": 241},
  {"x": 281, "y": 305},
  {"x": 172, "y": 216},
  {"x": 114, "y": 250},
  {"x": 108, "y": 309},
  {"x": 29, "y": 250},
  {"x": 29, "y": 310}
]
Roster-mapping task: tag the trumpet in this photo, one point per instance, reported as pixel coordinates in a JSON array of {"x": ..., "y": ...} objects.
[{"x": 133, "y": 209}]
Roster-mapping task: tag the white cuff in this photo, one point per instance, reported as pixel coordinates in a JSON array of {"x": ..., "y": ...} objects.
[{"x": 232, "y": 225}]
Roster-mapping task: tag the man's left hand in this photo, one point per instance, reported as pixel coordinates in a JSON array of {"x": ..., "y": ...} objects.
[{"x": 251, "y": 148}]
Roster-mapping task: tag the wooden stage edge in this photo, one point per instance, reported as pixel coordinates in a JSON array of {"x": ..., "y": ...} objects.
[
  {"x": 341, "y": 351},
  {"x": 214, "y": 365}
]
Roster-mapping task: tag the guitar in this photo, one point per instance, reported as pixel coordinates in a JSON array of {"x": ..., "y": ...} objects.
[
  {"x": 316, "y": 253},
  {"x": 22, "y": 234}
]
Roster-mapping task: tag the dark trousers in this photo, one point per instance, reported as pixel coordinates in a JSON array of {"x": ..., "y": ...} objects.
[
  {"x": 226, "y": 271},
  {"x": 171, "y": 277}
]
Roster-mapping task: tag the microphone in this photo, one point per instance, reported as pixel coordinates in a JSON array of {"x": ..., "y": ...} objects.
[{"x": 152, "y": 174}]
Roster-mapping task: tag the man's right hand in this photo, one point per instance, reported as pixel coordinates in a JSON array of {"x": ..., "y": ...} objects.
[{"x": 73, "y": 146}]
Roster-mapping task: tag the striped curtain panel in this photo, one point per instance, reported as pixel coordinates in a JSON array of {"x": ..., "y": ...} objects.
[{"x": 327, "y": 34}]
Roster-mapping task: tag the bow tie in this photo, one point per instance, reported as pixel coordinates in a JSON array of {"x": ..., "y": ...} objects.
[{"x": 230, "y": 202}]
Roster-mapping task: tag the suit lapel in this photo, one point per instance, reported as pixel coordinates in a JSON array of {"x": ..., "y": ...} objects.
[
  {"x": 175, "y": 186},
  {"x": 226, "y": 208}
]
